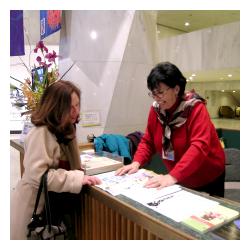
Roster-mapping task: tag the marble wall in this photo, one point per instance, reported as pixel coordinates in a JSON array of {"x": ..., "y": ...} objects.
[
  {"x": 211, "y": 48},
  {"x": 110, "y": 65},
  {"x": 130, "y": 102}
]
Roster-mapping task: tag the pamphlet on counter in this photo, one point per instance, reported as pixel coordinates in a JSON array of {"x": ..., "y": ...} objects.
[
  {"x": 211, "y": 218},
  {"x": 119, "y": 184},
  {"x": 172, "y": 201},
  {"x": 195, "y": 211}
]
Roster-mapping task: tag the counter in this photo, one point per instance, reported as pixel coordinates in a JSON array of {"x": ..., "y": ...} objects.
[
  {"x": 107, "y": 217},
  {"x": 103, "y": 216}
]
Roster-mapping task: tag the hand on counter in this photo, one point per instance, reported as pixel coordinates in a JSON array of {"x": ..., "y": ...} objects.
[
  {"x": 128, "y": 169},
  {"x": 160, "y": 181},
  {"x": 91, "y": 180}
]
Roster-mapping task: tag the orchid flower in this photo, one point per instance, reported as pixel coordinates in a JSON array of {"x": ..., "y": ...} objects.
[
  {"x": 51, "y": 56},
  {"x": 40, "y": 45}
]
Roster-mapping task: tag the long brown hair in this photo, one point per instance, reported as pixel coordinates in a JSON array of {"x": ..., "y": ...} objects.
[{"x": 54, "y": 109}]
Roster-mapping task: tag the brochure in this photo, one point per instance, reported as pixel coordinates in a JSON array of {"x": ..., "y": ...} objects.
[
  {"x": 211, "y": 218},
  {"x": 119, "y": 184},
  {"x": 172, "y": 201}
]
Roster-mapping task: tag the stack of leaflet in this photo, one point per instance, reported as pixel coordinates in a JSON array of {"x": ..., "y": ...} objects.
[{"x": 95, "y": 163}]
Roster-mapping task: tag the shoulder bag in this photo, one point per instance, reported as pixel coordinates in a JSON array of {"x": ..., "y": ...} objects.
[{"x": 41, "y": 227}]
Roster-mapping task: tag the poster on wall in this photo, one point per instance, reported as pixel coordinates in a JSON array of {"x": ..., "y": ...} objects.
[
  {"x": 90, "y": 119},
  {"x": 50, "y": 22},
  {"x": 16, "y": 33}
]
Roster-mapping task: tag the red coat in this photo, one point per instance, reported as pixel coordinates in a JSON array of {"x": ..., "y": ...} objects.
[{"x": 199, "y": 157}]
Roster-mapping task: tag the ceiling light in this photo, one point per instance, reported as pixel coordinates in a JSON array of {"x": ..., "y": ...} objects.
[
  {"x": 193, "y": 74},
  {"x": 234, "y": 91},
  {"x": 223, "y": 90},
  {"x": 191, "y": 78},
  {"x": 93, "y": 35},
  {"x": 187, "y": 23},
  {"x": 229, "y": 75}
]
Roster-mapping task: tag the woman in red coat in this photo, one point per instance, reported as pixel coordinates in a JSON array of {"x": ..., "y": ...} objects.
[{"x": 180, "y": 130}]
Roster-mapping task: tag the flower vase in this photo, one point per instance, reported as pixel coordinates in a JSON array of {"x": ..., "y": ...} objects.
[{"x": 27, "y": 126}]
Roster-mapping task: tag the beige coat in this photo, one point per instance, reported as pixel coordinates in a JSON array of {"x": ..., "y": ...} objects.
[{"x": 41, "y": 152}]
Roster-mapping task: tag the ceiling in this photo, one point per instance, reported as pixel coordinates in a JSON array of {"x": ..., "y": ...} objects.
[
  {"x": 201, "y": 19},
  {"x": 198, "y": 19}
]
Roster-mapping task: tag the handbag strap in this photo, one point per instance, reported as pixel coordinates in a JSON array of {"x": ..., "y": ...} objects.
[
  {"x": 40, "y": 189},
  {"x": 43, "y": 187},
  {"x": 47, "y": 204}
]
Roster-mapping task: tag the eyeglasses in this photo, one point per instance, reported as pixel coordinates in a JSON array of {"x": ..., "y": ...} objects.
[{"x": 158, "y": 94}]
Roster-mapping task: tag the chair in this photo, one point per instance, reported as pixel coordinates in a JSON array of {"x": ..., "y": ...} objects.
[
  {"x": 226, "y": 112},
  {"x": 232, "y": 177}
]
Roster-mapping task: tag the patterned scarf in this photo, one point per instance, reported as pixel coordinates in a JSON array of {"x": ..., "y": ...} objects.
[{"x": 177, "y": 119}]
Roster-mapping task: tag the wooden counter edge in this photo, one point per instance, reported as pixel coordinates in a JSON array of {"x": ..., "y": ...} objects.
[{"x": 163, "y": 230}]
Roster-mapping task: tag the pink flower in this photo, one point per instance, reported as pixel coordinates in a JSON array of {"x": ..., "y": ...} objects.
[
  {"x": 51, "y": 56},
  {"x": 40, "y": 45}
]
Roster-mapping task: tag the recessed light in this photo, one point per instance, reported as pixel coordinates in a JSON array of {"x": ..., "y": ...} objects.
[
  {"x": 234, "y": 91},
  {"x": 222, "y": 90},
  {"x": 229, "y": 75},
  {"x": 187, "y": 23},
  {"x": 93, "y": 35},
  {"x": 193, "y": 74}
]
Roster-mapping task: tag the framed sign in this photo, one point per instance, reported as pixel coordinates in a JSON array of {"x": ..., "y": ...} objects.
[{"x": 90, "y": 118}]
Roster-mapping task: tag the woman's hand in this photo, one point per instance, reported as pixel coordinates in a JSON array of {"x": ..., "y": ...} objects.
[
  {"x": 160, "y": 181},
  {"x": 90, "y": 180},
  {"x": 130, "y": 169}
]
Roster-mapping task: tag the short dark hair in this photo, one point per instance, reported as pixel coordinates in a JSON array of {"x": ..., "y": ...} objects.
[
  {"x": 54, "y": 108},
  {"x": 167, "y": 73}
]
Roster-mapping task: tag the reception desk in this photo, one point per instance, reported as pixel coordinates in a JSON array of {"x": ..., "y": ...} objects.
[
  {"x": 106, "y": 217},
  {"x": 103, "y": 216}
]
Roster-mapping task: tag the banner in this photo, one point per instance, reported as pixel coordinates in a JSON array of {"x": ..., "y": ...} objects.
[
  {"x": 50, "y": 22},
  {"x": 16, "y": 33}
]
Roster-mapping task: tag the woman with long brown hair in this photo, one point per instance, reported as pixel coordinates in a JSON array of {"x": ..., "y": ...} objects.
[{"x": 52, "y": 145}]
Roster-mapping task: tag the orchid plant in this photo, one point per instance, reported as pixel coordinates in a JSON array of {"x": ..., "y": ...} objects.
[{"x": 42, "y": 74}]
